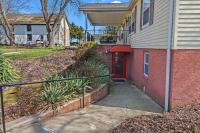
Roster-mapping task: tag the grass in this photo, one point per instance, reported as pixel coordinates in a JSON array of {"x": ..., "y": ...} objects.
[{"x": 27, "y": 53}]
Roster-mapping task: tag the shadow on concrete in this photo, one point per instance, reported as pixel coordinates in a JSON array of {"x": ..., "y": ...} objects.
[{"x": 125, "y": 95}]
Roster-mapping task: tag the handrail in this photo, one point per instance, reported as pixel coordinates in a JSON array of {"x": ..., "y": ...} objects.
[
  {"x": 49, "y": 81},
  {"x": 38, "y": 82}
]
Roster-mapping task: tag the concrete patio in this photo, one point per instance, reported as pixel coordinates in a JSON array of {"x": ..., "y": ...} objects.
[{"x": 124, "y": 101}]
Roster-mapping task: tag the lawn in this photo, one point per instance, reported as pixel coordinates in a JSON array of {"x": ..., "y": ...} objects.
[{"x": 27, "y": 53}]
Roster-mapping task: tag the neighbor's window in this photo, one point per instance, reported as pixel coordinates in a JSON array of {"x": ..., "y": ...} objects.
[
  {"x": 29, "y": 37},
  {"x": 146, "y": 64},
  {"x": 146, "y": 12},
  {"x": 41, "y": 37},
  {"x": 29, "y": 28}
]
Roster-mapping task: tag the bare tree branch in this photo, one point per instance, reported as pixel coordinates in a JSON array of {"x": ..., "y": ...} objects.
[
  {"x": 6, "y": 7},
  {"x": 53, "y": 16}
]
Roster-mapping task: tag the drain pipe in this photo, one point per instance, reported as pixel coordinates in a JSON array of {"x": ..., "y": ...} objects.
[{"x": 168, "y": 58}]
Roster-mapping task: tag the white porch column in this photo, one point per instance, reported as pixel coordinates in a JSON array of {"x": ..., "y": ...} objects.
[
  {"x": 86, "y": 27},
  {"x": 94, "y": 33}
]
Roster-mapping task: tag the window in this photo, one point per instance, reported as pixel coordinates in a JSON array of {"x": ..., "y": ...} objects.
[
  {"x": 146, "y": 64},
  {"x": 29, "y": 28},
  {"x": 29, "y": 37},
  {"x": 129, "y": 29},
  {"x": 41, "y": 37},
  {"x": 146, "y": 12},
  {"x": 122, "y": 36},
  {"x": 134, "y": 15}
]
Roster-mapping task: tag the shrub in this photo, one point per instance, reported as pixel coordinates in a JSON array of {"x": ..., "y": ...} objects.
[
  {"x": 54, "y": 94},
  {"x": 94, "y": 68},
  {"x": 76, "y": 86},
  {"x": 80, "y": 52},
  {"x": 89, "y": 54},
  {"x": 89, "y": 44},
  {"x": 7, "y": 72}
]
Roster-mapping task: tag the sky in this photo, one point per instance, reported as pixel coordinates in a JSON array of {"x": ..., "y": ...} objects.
[{"x": 72, "y": 14}]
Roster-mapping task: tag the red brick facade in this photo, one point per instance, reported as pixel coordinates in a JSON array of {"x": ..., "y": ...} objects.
[
  {"x": 184, "y": 80},
  {"x": 154, "y": 84},
  {"x": 185, "y": 77}
]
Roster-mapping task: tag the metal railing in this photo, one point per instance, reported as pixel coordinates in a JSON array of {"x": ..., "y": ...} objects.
[
  {"x": 108, "y": 36},
  {"x": 2, "y": 86}
]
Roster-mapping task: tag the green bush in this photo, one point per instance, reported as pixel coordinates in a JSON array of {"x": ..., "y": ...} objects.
[
  {"x": 88, "y": 55},
  {"x": 94, "y": 68},
  {"x": 7, "y": 72},
  {"x": 90, "y": 44},
  {"x": 75, "y": 86},
  {"x": 54, "y": 94}
]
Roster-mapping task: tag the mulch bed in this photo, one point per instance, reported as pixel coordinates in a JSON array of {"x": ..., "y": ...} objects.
[
  {"x": 184, "y": 119},
  {"x": 38, "y": 68}
]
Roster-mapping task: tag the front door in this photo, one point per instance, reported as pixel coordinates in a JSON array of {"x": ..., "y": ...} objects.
[{"x": 119, "y": 65}]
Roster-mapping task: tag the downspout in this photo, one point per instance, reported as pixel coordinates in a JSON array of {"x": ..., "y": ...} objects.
[{"x": 168, "y": 58}]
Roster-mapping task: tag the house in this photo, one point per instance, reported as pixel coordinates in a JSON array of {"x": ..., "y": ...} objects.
[
  {"x": 31, "y": 29},
  {"x": 160, "y": 53}
]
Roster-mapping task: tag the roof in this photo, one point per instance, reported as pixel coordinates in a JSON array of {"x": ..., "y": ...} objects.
[
  {"x": 26, "y": 19},
  {"x": 121, "y": 48},
  {"x": 107, "y": 14}
]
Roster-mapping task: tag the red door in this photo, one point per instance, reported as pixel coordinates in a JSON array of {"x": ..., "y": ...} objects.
[{"x": 119, "y": 65}]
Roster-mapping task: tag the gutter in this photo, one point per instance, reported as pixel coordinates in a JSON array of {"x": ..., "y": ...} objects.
[{"x": 168, "y": 58}]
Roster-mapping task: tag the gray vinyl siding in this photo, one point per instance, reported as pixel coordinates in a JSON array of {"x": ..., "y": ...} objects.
[
  {"x": 154, "y": 36},
  {"x": 187, "y": 24}
]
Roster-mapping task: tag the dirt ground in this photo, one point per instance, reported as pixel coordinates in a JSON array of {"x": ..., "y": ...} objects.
[
  {"x": 38, "y": 68},
  {"x": 184, "y": 119}
]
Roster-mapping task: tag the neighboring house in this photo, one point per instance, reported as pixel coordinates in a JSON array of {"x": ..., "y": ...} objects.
[
  {"x": 31, "y": 29},
  {"x": 162, "y": 51}
]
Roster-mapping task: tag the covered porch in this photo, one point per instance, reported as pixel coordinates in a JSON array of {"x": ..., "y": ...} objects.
[
  {"x": 107, "y": 15},
  {"x": 113, "y": 42}
]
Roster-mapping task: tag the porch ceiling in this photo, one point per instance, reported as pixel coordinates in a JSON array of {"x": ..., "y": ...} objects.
[
  {"x": 106, "y": 14},
  {"x": 106, "y": 18}
]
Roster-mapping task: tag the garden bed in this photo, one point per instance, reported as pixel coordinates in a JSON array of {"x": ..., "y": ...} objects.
[
  {"x": 38, "y": 68},
  {"x": 31, "y": 99},
  {"x": 77, "y": 103},
  {"x": 182, "y": 119}
]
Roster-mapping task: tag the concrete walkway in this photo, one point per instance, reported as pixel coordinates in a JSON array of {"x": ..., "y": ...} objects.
[{"x": 123, "y": 102}]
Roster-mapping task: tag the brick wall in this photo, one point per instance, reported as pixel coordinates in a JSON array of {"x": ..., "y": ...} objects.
[
  {"x": 185, "y": 77},
  {"x": 92, "y": 97},
  {"x": 155, "y": 83}
]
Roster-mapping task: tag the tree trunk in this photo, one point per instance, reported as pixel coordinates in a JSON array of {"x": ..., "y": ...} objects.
[
  {"x": 11, "y": 39},
  {"x": 50, "y": 37}
]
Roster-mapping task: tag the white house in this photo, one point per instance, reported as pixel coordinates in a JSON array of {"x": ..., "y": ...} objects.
[{"x": 30, "y": 29}]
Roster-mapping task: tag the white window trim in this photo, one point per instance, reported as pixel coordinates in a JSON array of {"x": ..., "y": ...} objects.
[
  {"x": 147, "y": 24},
  {"x": 146, "y": 63}
]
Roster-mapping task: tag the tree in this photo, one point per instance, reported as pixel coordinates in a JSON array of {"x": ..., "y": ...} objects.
[
  {"x": 53, "y": 11},
  {"x": 6, "y": 7},
  {"x": 5, "y": 24},
  {"x": 76, "y": 32}
]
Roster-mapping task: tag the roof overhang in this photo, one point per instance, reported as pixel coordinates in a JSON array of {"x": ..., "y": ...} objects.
[
  {"x": 106, "y": 14},
  {"x": 121, "y": 48}
]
